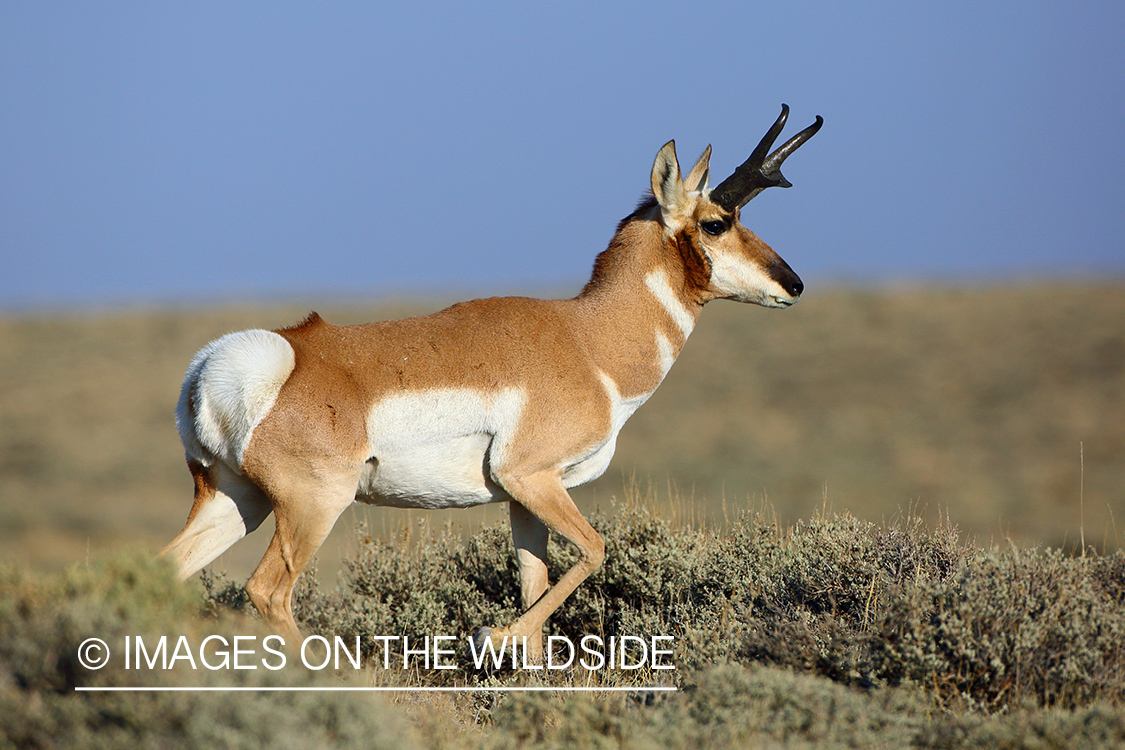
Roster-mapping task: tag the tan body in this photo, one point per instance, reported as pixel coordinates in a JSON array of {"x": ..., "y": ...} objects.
[{"x": 510, "y": 399}]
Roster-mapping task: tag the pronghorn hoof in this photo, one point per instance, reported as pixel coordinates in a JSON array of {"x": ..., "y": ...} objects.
[
  {"x": 481, "y": 637},
  {"x": 480, "y": 646}
]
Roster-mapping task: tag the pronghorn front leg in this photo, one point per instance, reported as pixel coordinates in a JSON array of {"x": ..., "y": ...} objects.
[{"x": 544, "y": 503}]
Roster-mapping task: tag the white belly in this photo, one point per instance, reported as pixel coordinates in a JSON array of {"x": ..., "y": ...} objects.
[
  {"x": 590, "y": 467},
  {"x": 436, "y": 449},
  {"x": 433, "y": 449},
  {"x": 451, "y": 473}
]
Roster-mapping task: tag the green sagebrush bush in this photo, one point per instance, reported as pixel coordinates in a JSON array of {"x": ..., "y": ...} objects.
[
  {"x": 44, "y": 619},
  {"x": 832, "y": 633},
  {"x": 1012, "y": 626},
  {"x": 763, "y": 617},
  {"x": 874, "y": 606},
  {"x": 737, "y": 706},
  {"x": 650, "y": 584},
  {"x": 865, "y": 605}
]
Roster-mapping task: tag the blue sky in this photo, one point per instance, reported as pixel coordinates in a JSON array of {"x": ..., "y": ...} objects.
[{"x": 200, "y": 152}]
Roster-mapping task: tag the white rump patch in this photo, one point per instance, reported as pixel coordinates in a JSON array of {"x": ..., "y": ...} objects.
[
  {"x": 230, "y": 386},
  {"x": 434, "y": 449},
  {"x": 657, "y": 283}
]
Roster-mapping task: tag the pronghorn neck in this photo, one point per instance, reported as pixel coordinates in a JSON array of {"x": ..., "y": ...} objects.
[{"x": 642, "y": 302}]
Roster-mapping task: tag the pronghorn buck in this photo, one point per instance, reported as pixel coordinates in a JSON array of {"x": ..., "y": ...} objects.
[{"x": 496, "y": 400}]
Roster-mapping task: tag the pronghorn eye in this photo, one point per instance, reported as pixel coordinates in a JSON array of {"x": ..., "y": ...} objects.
[{"x": 714, "y": 227}]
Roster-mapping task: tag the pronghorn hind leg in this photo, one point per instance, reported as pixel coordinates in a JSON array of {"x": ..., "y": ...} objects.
[
  {"x": 529, "y": 536},
  {"x": 227, "y": 507},
  {"x": 305, "y": 514},
  {"x": 544, "y": 497}
]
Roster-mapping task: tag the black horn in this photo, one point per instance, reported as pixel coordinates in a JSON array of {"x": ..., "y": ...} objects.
[{"x": 760, "y": 171}]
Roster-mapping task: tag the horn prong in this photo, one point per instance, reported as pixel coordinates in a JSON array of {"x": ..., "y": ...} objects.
[{"x": 760, "y": 171}]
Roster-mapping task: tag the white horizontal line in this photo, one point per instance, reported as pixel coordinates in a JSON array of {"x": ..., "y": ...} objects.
[{"x": 380, "y": 689}]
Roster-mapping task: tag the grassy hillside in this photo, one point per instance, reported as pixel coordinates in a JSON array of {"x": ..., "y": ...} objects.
[{"x": 1001, "y": 407}]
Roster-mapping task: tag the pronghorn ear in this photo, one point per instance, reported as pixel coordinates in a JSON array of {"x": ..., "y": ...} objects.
[
  {"x": 666, "y": 183},
  {"x": 697, "y": 177}
]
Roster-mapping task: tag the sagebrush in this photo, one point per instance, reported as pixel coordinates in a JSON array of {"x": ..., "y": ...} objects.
[{"x": 830, "y": 633}]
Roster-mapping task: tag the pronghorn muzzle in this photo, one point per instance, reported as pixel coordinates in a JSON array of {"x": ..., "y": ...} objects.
[
  {"x": 787, "y": 278},
  {"x": 761, "y": 171}
]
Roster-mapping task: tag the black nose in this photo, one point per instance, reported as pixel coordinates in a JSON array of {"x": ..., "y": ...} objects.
[{"x": 786, "y": 278}]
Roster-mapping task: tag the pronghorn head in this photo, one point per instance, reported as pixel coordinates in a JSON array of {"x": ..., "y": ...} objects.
[{"x": 731, "y": 262}]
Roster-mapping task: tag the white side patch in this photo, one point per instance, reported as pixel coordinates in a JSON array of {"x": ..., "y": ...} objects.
[
  {"x": 433, "y": 449},
  {"x": 657, "y": 283},
  {"x": 230, "y": 386}
]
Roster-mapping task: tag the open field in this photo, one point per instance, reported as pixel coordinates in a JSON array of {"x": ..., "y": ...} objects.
[{"x": 1002, "y": 408}]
